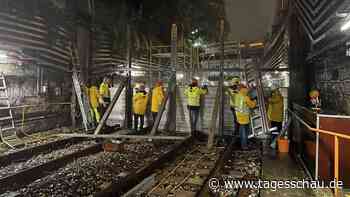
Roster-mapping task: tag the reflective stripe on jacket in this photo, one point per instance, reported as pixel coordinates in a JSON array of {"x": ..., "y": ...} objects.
[
  {"x": 193, "y": 95},
  {"x": 140, "y": 103},
  {"x": 104, "y": 90}
]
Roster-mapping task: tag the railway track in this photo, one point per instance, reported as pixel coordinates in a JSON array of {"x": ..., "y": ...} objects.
[
  {"x": 238, "y": 165},
  {"x": 97, "y": 172},
  {"x": 78, "y": 167},
  {"x": 186, "y": 176}
]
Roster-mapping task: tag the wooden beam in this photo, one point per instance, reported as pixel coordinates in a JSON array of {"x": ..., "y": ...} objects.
[
  {"x": 116, "y": 136},
  {"x": 214, "y": 120}
]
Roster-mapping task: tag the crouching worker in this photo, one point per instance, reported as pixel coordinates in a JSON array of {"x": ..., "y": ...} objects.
[
  {"x": 193, "y": 93},
  {"x": 243, "y": 105},
  {"x": 139, "y": 107}
]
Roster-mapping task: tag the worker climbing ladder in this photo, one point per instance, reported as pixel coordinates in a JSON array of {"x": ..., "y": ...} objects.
[
  {"x": 258, "y": 121},
  {"x": 82, "y": 98},
  {"x": 7, "y": 122}
]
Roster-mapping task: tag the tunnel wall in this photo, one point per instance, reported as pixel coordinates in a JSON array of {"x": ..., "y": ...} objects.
[
  {"x": 332, "y": 77},
  {"x": 25, "y": 87}
]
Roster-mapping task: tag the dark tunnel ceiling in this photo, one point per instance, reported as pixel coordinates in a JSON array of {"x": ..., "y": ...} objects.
[
  {"x": 250, "y": 19},
  {"x": 247, "y": 19}
]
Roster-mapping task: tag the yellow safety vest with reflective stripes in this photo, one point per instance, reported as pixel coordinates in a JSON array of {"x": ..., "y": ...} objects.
[
  {"x": 232, "y": 95},
  {"x": 104, "y": 90},
  {"x": 242, "y": 106},
  {"x": 193, "y": 95}
]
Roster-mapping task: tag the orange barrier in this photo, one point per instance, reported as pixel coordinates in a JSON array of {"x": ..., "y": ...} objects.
[{"x": 336, "y": 145}]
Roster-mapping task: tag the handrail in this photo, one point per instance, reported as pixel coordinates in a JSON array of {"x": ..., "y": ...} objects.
[
  {"x": 318, "y": 130},
  {"x": 336, "y": 147}
]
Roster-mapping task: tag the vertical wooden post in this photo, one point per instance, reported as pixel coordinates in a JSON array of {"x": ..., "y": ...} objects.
[
  {"x": 221, "y": 79},
  {"x": 171, "y": 122},
  {"x": 150, "y": 63},
  {"x": 128, "y": 96},
  {"x": 336, "y": 164},
  {"x": 213, "y": 120}
]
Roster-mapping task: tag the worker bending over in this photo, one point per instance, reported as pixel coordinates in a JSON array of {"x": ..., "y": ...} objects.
[
  {"x": 94, "y": 97},
  {"x": 139, "y": 107},
  {"x": 105, "y": 93},
  {"x": 157, "y": 99},
  {"x": 275, "y": 113},
  {"x": 243, "y": 104},
  {"x": 193, "y": 93}
]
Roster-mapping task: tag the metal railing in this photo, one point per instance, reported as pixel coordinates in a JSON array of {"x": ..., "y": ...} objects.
[{"x": 336, "y": 147}]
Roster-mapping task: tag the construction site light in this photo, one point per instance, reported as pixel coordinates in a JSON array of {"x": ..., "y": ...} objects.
[
  {"x": 345, "y": 26},
  {"x": 3, "y": 57},
  {"x": 256, "y": 44},
  {"x": 179, "y": 76}
]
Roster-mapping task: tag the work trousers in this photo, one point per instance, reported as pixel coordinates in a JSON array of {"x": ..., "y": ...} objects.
[
  {"x": 236, "y": 124},
  {"x": 274, "y": 134},
  {"x": 139, "y": 118},
  {"x": 243, "y": 135},
  {"x": 194, "y": 116},
  {"x": 154, "y": 116},
  {"x": 96, "y": 115}
]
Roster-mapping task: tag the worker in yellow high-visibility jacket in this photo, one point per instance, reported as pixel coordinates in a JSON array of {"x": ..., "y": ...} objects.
[
  {"x": 243, "y": 104},
  {"x": 232, "y": 91},
  {"x": 94, "y": 97},
  {"x": 275, "y": 113},
  {"x": 157, "y": 98},
  {"x": 105, "y": 94},
  {"x": 140, "y": 99},
  {"x": 193, "y": 93}
]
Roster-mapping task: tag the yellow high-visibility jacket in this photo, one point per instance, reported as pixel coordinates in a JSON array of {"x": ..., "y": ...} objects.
[
  {"x": 94, "y": 96},
  {"x": 193, "y": 95},
  {"x": 140, "y": 103},
  {"x": 157, "y": 98},
  {"x": 104, "y": 90},
  {"x": 232, "y": 95},
  {"x": 243, "y": 104},
  {"x": 275, "y": 109}
]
